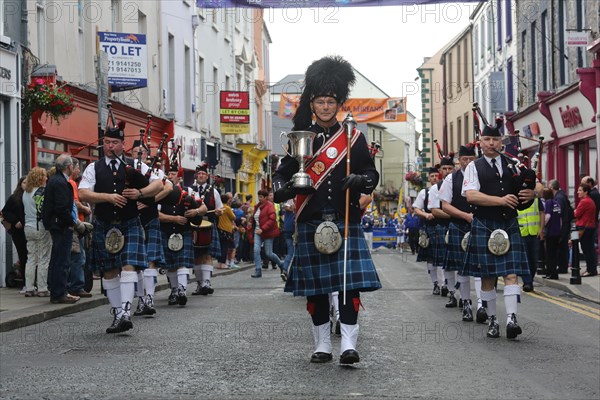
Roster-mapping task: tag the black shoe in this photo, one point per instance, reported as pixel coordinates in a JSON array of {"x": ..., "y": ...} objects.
[
  {"x": 528, "y": 287},
  {"x": 141, "y": 308},
  {"x": 452, "y": 302},
  {"x": 198, "y": 290},
  {"x": 467, "y": 311},
  {"x": 265, "y": 266},
  {"x": 552, "y": 277},
  {"x": 319, "y": 357},
  {"x": 173, "y": 297},
  {"x": 493, "y": 328},
  {"x": 436, "y": 289},
  {"x": 181, "y": 297},
  {"x": 256, "y": 275},
  {"x": 150, "y": 310},
  {"x": 283, "y": 276},
  {"x": 119, "y": 325},
  {"x": 444, "y": 291},
  {"x": 349, "y": 357},
  {"x": 482, "y": 316},
  {"x": 460, "y": 303},
  {"x": 338, "y": 330},
  {"x": 512, "y": 328},
  {"x": 273, "y": 267}
]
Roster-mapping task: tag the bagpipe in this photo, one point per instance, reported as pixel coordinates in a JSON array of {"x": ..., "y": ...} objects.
[
  {"x": 374, "y": 148},
  {"x": 524, "y": 176}
]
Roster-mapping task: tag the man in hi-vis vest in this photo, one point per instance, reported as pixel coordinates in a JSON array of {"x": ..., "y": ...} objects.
[{"x": 531, "y": 224}]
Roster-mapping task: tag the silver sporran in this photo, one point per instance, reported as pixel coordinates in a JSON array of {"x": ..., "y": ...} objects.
[
  {"x": 175, "y": 242},
  {"x": 465, "y": 241},
  {"x": 423, "y": 239},
  {"x": 499, "y": 242},
  {"x": 114, "y": 241},
  {"x": 328, "y": 238},
  {"x": 301, "y": 148}
]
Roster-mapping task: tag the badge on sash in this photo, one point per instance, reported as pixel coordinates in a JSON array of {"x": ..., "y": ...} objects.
[{"x": 114, "y": 240}]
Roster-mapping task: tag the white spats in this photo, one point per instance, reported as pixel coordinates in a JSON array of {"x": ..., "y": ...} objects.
[
  {"x": 349, "y": 337},
  {"x": 322, "y": 338}
]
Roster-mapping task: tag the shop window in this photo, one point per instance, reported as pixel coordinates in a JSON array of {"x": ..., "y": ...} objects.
[{"x": 51, "y": 145}]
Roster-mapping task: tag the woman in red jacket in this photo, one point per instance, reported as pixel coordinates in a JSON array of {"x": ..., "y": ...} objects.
[
  {"x": 585, "y": 219},
  {"x": 265, "y": 230}
]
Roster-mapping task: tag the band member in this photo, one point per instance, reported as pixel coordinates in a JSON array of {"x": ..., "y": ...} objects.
[
  {"x": 149, "y": 217},
  {"x": 203, "y": 257},
  {"x": 488, "y": 184},
  {"x": 461, "y": 216},
  {"x": 318, "y": 265},
  {"x": 426, "y": 252},
  {"x": 176, "y": 212},
  {"x": 442, "y": 220},
  {"x": 118, "y": 241}
]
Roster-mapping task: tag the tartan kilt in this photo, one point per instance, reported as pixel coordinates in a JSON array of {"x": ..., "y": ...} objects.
[
  {"x": 181, "y": 258},
  {"x": 133, "y": 252},
  {"x": 426, "y": 254},
  {"x": 455, "y": 256},
  {"x": 154, "y": 248},
  {"x": 313, "y": 273},
  {"x": 439, "y": 254},
  {"x": 479, "y": 262}
]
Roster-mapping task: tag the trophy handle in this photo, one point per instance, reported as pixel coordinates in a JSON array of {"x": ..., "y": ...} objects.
[{"x": 284, "y": 147}]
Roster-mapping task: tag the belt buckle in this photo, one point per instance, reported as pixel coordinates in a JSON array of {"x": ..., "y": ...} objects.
[{"x": 328, "y": 216}]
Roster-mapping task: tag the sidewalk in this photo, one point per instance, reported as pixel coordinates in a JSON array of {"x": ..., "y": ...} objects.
[
  {"x": 17, "y": 311},
  {"x": 589, "y": 288}
]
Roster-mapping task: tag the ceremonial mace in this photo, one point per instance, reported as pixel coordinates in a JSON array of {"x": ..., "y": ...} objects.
[{"x": 350, "y": 124}]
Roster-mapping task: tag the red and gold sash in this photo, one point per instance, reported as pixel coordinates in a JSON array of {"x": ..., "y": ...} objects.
[{"x": 331, "y": 153}]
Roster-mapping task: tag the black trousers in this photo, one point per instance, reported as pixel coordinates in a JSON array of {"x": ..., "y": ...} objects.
[
  {"x": 318, "y": 307},
  {"x": 552, "y": 250}
]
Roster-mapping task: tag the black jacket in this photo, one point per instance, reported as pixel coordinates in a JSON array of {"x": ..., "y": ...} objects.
[
  {"x": 58, "y": 203},
  {"x": 14, "y": 212}
]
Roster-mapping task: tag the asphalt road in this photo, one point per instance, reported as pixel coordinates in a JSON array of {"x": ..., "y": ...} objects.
[{"x": 252, "y": 341}]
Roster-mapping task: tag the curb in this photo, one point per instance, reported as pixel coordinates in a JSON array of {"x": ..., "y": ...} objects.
[
  {"x": 564, "y": 287},
  {"x": 21, "y": 318}
]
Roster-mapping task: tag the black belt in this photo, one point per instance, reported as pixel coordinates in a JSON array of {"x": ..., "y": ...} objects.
[{"x": 325, "y": 216}]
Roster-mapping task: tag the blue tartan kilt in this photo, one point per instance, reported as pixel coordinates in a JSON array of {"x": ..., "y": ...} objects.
[
  {"x": 426, "y": 254},
  {"x": 133, "y": 252},
  {"x": 313, "y": 273},
  {"x": 154, "y": 249},
  {"x": 439, "y": 254},
  {"x": 455, "y": 256},
  {"x": 479, "y": 262},
  {"x": 181, "y": 258}
]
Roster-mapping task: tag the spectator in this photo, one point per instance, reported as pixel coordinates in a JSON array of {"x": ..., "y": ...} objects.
[
  {"x": 225, "y": 228},
  {"x": 367, "y": 227},
  {"x": 76, "y": 278},
  {"x": 567, "y": 216},
  {"x": 531, "y": 225},
  {"x": 553, "y": 222},
  {"x": 289, "y": 226},
  {"x": 248, "y": 204},
  {"x": 13, "y": 219},
  {"x": 39, "y": 243},
  {"x": 265, "y": 229},
  {"x": 239, "y": 214},
  {"x": 57, "y": 218},
  {"x": 413, "y": 223},
  {"x": 585, "y": 220}
]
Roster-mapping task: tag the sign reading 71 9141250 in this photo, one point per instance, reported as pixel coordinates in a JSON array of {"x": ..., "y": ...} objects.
[{"x": 127, "y": 60}]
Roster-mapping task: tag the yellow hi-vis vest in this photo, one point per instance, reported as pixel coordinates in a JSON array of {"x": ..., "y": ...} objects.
[{"x": 529, "y": 220}]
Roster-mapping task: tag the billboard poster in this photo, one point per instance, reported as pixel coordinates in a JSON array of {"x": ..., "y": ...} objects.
[
  {"x": 234, "y": 112},
  {"x": 127, "y": 60},
  {"x": 392, "y": 109}
]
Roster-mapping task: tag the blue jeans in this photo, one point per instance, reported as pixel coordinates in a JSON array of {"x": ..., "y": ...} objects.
[
  {"x": 289, "y": 242},
  {"x": 76, "y": 278},
  {"x": 268, "y": 243},
  {"x": 60, "y": 261},
  {"x": 532, "y": 248}
]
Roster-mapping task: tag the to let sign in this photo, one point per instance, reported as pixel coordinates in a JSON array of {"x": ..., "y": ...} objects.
[
  {"x": 127, "y": 60},
  {"x": 235, "y": 112}
]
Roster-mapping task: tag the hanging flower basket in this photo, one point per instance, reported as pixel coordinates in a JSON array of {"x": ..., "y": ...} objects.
[{"x": 55, "y": 101}]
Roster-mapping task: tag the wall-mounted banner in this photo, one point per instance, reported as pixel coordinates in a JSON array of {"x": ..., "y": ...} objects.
[
  {"x": 235, "y": 112},
  {"x": 127, "y": 60},
  {"x": 392, "y": 109},
  {"x": 314, "y": 3}
]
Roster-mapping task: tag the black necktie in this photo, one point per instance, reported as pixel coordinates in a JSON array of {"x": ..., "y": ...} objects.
[
  {"x": 113, "y": 166},
  {"x": 494, "y": 167}
]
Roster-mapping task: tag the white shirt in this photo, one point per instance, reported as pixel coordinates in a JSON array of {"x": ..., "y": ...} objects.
[
  {"x": 216, "y": 195},
  {"x": 88, "y": 178},
  {"x": 471, "y": 181},
  {"x": 433, "y": 200},
  {"x": 420, "y": 200},
  {"x": 155, "y": 175},
  {"x": 445, "y": 192}
]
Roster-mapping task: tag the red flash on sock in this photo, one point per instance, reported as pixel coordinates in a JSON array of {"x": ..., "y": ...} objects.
[
  {"x": 310, "y": 307},
  {"x": 357, "y": 304}
]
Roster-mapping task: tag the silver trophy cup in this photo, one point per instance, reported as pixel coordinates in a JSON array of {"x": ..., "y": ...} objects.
[{"x": 301, "y": 148}]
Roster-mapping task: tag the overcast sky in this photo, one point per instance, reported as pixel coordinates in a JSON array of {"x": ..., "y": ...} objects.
[{"x": 386, "y": 44}]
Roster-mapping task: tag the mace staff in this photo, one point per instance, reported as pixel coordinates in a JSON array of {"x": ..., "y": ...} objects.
[{"x": 350, "y": 124}]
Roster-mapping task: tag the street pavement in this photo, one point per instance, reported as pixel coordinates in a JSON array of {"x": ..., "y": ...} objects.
[{"x": 250, "y": 340}]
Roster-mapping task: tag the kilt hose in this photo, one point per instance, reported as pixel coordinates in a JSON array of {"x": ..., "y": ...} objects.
[
  {"x": 455, "y": 256},
  {"x": 479, "y": 262},
  {"x": 313, "y": 273},
  {"x": 427, "y": 253},
  {"x": 133, "y": 252}
]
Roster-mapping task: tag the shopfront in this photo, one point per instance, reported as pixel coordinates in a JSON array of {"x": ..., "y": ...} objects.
[
  {"x": 11, "y": 168},
  {"x": 250, "y": 173}
]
